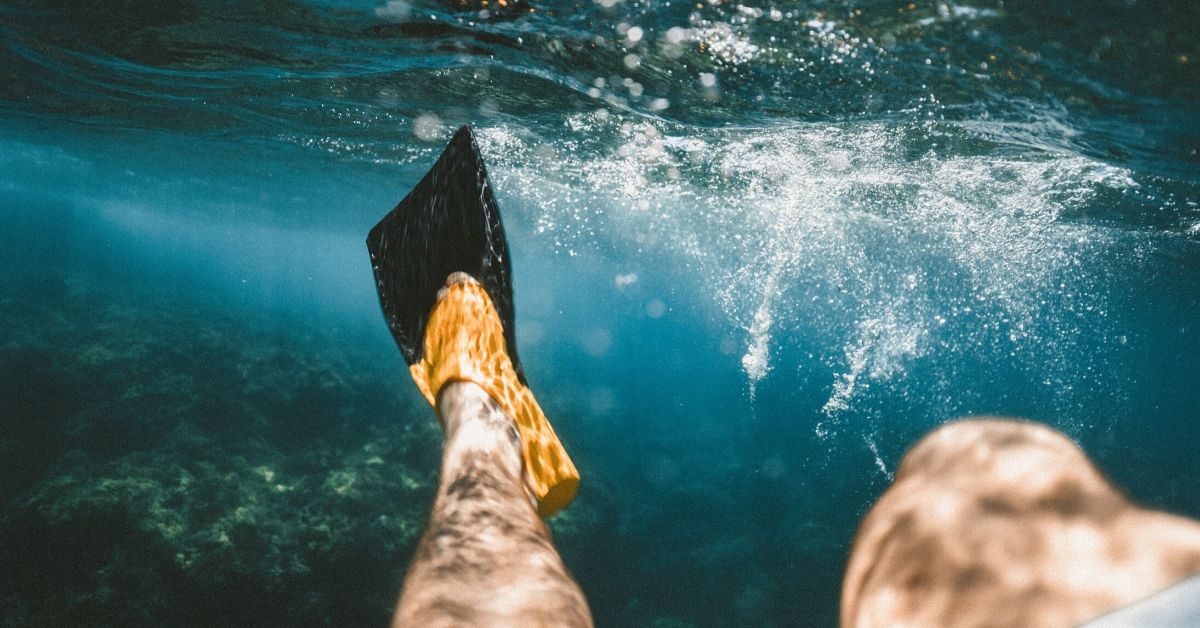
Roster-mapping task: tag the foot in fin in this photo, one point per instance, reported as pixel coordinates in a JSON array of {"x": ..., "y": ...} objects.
[
  {"x": 464, "y": 341},
  {"x": 450, "y": 224}
]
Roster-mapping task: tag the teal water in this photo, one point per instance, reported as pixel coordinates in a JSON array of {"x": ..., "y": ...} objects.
[{"x": 759, "y": 249}]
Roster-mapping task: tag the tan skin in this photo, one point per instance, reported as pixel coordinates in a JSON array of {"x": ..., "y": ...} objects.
[
  {"x": 486, "y": 558},
  {"x": 989, "y": 523},
  {"x": 1007, "y": 523}
]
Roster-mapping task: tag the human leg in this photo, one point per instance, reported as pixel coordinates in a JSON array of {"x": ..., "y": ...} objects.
[
  {"x": 486, "y": 558},
  {"x": 1007, "y": 523}
]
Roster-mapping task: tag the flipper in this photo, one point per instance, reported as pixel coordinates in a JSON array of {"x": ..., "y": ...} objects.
[{"x": 450, "y": 223}]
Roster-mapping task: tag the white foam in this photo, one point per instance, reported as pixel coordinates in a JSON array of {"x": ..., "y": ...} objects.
[
  {"x": 725, "y": 43},
  {"x": 879, "y": 351},
  {"x": 837, "y": 230},
  {"x": 756, "y": 362},
  {"x": 879, "y": 463}
]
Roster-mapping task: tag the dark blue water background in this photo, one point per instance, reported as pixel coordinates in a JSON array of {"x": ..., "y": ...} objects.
[{"x": 759, "y": 249}]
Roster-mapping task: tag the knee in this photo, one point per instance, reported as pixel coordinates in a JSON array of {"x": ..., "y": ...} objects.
[
  {"x": 971, "y": 500},
  {"x": 1002, "y": 450}
]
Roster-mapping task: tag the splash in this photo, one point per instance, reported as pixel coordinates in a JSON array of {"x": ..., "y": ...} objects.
[
  {"x": 756, "y": 362},
  {"x": 841, "y": 231},
  {"x": 880, "y": 351},
  {"x": 846, "y": 383},
  {"x": 879, "y": 463}
]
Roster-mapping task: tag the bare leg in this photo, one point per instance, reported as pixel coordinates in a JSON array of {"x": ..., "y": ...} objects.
[
  {"x": 486, "y": 559},
  {"x": 1007, "y": 523}
]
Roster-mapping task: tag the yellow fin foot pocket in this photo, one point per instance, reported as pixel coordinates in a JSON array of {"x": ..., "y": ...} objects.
[{"x": 465, "y": 341}]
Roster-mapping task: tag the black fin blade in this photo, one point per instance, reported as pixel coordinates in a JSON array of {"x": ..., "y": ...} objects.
[{"x": 449, "y": 222}]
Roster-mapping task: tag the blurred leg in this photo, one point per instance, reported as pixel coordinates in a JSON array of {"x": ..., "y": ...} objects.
[
  {"x": 1007, "y": 523},
  {"x": 486, "y": 558}
]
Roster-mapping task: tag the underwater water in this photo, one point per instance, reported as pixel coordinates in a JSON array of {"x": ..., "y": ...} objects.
[{"x": 759, "y": 249}]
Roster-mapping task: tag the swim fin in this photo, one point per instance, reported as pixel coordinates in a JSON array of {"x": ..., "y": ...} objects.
[{"x": 449, "y": 223}]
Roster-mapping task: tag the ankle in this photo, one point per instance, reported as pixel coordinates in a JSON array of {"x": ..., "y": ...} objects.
[
  {"x": 465, "y": 342},
  {"x": 473, "y": 421}
]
